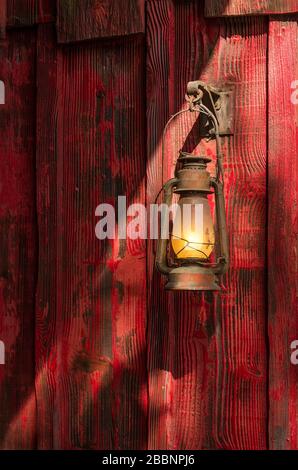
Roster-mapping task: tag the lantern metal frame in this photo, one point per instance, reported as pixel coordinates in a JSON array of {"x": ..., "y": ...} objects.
[{"x": 193, "y": 179}]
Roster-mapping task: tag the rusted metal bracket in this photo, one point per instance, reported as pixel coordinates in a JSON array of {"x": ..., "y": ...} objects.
[{"x": 219, "y": 100}]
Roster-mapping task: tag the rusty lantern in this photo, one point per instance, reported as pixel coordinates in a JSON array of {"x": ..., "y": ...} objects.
[{"x": 195, "y": 254}]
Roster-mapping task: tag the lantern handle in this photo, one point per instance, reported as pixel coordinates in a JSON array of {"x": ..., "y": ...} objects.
[
  {"x": 164, "y": 138},
  {"x": 223, "y": 260},
  {"x": 161, "y": 252},
  {"x": 196, "y": 105}
]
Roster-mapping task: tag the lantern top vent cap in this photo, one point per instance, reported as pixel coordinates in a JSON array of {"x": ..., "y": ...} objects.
[{"x": 189, "y": 157}]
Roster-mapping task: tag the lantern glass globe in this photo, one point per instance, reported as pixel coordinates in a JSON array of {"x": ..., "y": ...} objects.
[{"x": 193, "y": 230}]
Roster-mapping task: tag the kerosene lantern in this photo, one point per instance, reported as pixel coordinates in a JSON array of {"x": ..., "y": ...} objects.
[{"x": 195, "y": 254}]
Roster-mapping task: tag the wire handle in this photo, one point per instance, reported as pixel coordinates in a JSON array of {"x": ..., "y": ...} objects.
[{"x": 196, "y": 105}]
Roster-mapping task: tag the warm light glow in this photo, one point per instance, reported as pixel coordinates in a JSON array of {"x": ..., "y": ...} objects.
[{"x": 193, "y": 231}]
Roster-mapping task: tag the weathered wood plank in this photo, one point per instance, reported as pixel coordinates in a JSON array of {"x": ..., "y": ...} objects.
[
  {"x": 94, "y": 152},
  {"x": 282, "y": 230},
  {"x": 243, "y": 7},
  {"x": 2, "y": 18},
  {"x": 80, "y": 20},
  {"x": 239, "y": 397},
  {"x": 28, "y": 12},
  {"x": 178, "y": 332},
  {"x": 18, "y": 240},
  {"x": 207, "y": 353},
  {"x": 46, "y": 176}
]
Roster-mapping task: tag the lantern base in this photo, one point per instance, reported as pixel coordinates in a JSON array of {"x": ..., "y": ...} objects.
[{"x": 192, "y": 278}]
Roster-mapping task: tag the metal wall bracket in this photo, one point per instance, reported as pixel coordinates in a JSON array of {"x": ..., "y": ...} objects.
[{"x": 219, "y": 100}]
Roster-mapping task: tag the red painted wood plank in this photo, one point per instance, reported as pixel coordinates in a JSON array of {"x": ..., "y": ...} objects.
[
  {"x": 79, "y": 20},
  {"x": 207, "y": 353},
  {"x": 239, "y": 398},
  {"x": 46, "y": 174},
  {"x": 2, "y": 18},
  {"x": 28, "y": 12},
  {"x": 282, "y": 230},
  {"x": 177, "y": 335},
  {"x": 93, "y": 394},
  {"x": 243, "y": 7},
  {"x": 18, "y": 240}
]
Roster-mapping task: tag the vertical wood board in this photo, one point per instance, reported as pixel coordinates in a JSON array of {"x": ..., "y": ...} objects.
[
  {"x": 46, "y": 182},
  {"x": 18, "y": 241},
  {"x": 207, "y": 352},
  {"x": 98, "y": 318},
  {"x": 282, "y": 230}
]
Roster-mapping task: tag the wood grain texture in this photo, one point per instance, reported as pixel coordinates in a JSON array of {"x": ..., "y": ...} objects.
[
  {"x": 79, "y": 20},
  {"x": 46, "y": 177},
  {"x": 18, "y": 241},
  {"x": 239, "y": 397},
  {"x": 207, "y": 352},
  {"x": 107, "y": 335},
  {"x": 255, "y": 7},
  {"x": 94, "y": 391},
  {"x": 282, "y": 231},
  {"x": 28, "y": 12},
  {"x": 2, "y": 18},
  {"x": 177, "y": 334}
]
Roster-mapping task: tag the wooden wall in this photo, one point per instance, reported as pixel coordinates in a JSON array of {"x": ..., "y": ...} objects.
[
  {"x": 282, "y": 230},
  {"x": 98, "y": 355}
]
